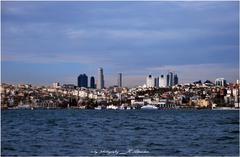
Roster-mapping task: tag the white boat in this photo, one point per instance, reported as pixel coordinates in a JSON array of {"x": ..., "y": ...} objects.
[
  {"x": 112, "y": 107},
  {"x": 82, "y": 107},
  {"x": 151, "y": 107},
  {"x": 129, "y": 108},
  {"x": 98, "y": 108},
  {"x": 124, "y": 107},
  {"x": 27, "y": 106}
]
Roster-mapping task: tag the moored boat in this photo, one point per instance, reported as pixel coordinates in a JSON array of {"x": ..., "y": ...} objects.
[
  {"x": 98, "y": 108},
  {"x": 112, "y": 107},
  {"x": 149, "y": 107}
]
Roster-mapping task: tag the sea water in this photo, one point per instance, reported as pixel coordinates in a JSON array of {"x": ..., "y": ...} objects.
[{"x": 119, "y": 132}]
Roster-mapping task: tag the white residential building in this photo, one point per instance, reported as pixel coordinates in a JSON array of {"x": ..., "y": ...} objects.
[
  {"x": 162, "y": 81},
  {"x": 150, "y": 81}
]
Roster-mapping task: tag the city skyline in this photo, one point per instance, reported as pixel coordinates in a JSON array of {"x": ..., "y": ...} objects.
[{"x": 197, "y": 40}]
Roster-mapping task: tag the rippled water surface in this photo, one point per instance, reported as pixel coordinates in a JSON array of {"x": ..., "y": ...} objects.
[{"x": 119, "y": 132}]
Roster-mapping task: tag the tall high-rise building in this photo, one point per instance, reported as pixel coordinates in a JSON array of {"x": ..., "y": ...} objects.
[
  {"x": 92, "y": 82},
  {"x": 167, "y": 79},
  {"x": 119, "y": 80},
  {"x": 150, "y": 81},
  {"x": 175, "y": 79},
  {"x": 100, "y": 81},
  {"x": 163, "y": 81},
  {"x": 170, "y": 80},
  {"x": 156, "y": 82},
  {"x": 83, "y": 80}
]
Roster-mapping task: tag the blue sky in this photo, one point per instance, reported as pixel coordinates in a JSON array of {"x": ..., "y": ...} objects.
[{"x": 44, "y": 42}]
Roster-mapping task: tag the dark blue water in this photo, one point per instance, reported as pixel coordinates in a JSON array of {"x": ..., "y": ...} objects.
[{"x": 112, "y": 132}]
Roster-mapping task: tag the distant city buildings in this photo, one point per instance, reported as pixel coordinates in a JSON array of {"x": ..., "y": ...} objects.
[
  {"x": 119, "y": 80},
  {"x": 56, "y": 85},
  {"x": 162, "y": 81},
  {"x": 100, "y": 81},
  {"x": 170, "y": 79},
  {"x": 156, "y": 82},
  {"x": 175, "y": 79},
  {"x": 92, "y": 82},
  {"x": 150, "y": 81},
  {"x": 192, "y": 95},
  {"x": 83, "y": 80},
  {"x": 187, "y": 95},
  {"x": 220, "y": 82}
]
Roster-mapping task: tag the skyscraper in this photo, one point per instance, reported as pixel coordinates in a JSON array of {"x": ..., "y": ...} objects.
[
  {"x": 119, "y": 80},
  {"x": 83, "y": 80},
  {"x": 162, "y": 81},
  {"x": 175, "y": 79},
  {"x": 156, "y": 82},
  {"x": 150, "y": 81},
  {"x": 167, "y": 79},
  {"x": 92, "y": 82},
  {"x": 100, "y": 81},
  {"x": 170, "y": 80}
]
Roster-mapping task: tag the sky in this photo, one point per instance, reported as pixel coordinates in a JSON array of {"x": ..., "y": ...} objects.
[{"x": 46, "y": 42}]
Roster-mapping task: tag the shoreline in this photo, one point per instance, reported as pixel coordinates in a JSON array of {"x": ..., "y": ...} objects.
[{"x": 159, "y": 109}]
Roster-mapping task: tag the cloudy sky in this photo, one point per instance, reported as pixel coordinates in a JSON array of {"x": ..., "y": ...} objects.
[{"x": 44, "y": 42}]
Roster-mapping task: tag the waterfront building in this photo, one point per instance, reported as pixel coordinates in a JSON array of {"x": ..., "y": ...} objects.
[
  {"x": 92, "y": 82},
  {"x": 163, "y": 81},
  {"x": 220, "y": 82},
  {"x": 119, "y": 80},
  {"x": 100, "y": 81},
  {"x": 156, "y": 82},
  {"x": 150, "y": 81},
  {"x": 83, "y": 80}
]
